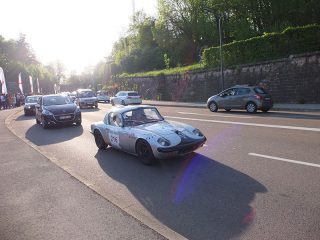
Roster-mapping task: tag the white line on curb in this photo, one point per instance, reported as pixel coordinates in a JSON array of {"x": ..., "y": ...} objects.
[
  {"x": 249, "y": 124},
  {"x": 214, "y": 115},
  {"x": 284, "y": 160}
]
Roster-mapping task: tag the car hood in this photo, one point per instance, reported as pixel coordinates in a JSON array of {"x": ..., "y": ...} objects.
[
  {"x": 61, "y": 109},
  {"x": 170, "y": 130}
]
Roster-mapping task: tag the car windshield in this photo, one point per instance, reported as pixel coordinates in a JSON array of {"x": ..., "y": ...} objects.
[
  {"x": 56, "y": 100},
  {"x": 86, "y": 94},
  {"x": 141, "y": 116},
  {"x": 32, "y": 99},
  {"x": 132, "y": 94}
]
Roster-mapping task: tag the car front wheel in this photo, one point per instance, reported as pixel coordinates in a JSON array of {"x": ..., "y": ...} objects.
[
  {"x": 213, "y": 107},
  {"x": 145, "y": 153},
  {"x": 44, "y": 123},
  {"x": 101, "y": 144}
]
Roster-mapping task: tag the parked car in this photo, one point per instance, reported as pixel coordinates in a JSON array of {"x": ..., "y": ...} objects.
[
  {"x": 86, "y": 98},
  {"x": 126, "y": 98},
  {"x": 142, "y": 131},
  {"x": 30, "y": 105},
  {"x": 54, "y": 110},
  {"x": 103, "y": 96},
  {"x": 250, "y": 98}
]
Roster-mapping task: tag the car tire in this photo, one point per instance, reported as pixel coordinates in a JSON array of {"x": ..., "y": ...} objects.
[
  {"x": 112, "y": 102},
  {"x": 145, "y": 153},
  {"x": 227, "y": 109},
  {"x": 213, "y": 107},
  {"x": 78, "y": 123},
  {"x": 251, "y": 107},
  {"x": 123, "y": 103},
  {"x": 265, "y": 109},
  {"x": 101, "y": 144},
  {"x": 25, "y": 113},
  {"x": 96, "y": 105},
  {"x": 44, "y": 124},
  {"x": 37, "y": 121}
]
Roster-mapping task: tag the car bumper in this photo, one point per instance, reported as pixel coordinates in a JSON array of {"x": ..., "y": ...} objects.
[
  {"x": 179, "y": 150},
  {"x": 62, "y": 119},
  {"x": 30, "y": 110},
  {"x": 88, "y": 104}
]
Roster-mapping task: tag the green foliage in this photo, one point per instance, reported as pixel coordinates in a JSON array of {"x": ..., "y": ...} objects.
[
  {"x": 166, "y": 60},
  {"x": 170, "y": 71},
  {"x": 269, "y": 46}
]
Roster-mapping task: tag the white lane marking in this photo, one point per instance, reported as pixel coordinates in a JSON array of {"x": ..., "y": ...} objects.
[
  {"x": 249, "y": 124},
  {"x": 212, "y": 115},
  {"x": 285, "y": 160}
]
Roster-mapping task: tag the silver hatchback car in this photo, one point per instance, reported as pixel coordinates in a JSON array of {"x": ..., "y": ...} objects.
[{"x": 250, "y": 98}]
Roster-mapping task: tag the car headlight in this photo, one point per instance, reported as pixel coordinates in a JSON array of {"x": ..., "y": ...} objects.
[
  {"x": 77, "y": 110},
  {"x": 163, "y": 142},
  {"x": 197, "y": 132},
  {"x": 46, "y": 112}
]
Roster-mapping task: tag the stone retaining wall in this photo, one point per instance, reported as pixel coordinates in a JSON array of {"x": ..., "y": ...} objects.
[{"x": 292, "y": 80}]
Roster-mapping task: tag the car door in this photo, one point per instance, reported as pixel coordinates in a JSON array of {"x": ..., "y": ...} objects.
[
  {"x": 240, "y": 97},
  {"x": 227, "y": 98}
]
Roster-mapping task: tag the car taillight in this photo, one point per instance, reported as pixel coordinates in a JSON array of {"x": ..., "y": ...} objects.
[{"x": 258, "y": 97}]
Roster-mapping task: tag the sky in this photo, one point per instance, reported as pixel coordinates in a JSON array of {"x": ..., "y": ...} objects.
[{"x": 79, "y": 33}]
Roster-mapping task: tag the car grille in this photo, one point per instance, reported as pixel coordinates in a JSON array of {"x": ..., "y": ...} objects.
[{"x": 64, "y": 117}]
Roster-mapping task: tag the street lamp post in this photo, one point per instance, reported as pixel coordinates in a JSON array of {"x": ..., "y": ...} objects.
[
  {"x": 220, "y": 46},
  {"x": 221, "y": 57}
]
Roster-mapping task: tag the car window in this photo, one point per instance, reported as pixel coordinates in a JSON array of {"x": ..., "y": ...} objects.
[
  {"x": 56, "y": 100},
  {"x": 32, "y": 99},
  {"x": 86, "y": 94},
  {"x": 260, "y": 90},
  {"x": 115, "y": 119},
  {"x": 141, "y": 116},
  {"x": 229, "y": 92},
  {"x": 133, "y": 94},
  {"x": 243, "y": 91}
]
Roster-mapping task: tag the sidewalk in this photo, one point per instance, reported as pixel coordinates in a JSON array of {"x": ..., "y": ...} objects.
[
  {"x": 276, "y": 107},
  {"x": 39, "y": 200}
]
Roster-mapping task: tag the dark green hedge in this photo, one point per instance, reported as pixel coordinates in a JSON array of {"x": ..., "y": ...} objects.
[{"x": 267, "y": 47}]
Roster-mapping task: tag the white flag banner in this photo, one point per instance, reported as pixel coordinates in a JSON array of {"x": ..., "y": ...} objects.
[
  {"x": 38, "y": 85},
  {"x": 3, "y": 82},
  {"x": 31, "y": 84},
  {"x": 20, "y": 83}
]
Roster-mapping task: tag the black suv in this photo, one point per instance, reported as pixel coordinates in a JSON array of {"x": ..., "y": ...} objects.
[{"x": 250, "y": 98}]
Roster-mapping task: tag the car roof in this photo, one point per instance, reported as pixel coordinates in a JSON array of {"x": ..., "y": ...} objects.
[
  {"x": 122, "y": 109},
  {"x": 32, "y": 96},
  {"x": 84, "y": 90}
]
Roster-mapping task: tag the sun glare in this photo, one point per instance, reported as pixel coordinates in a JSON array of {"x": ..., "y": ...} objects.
[{"x": 77, "y": 33}]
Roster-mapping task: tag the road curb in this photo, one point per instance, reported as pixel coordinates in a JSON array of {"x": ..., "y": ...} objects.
[
  {"x": 152, "y": 223},
  {"x": 203, "y": 106}
]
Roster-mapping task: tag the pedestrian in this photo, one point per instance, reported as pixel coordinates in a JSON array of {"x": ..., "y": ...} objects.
[
  {"x": 2, "y": 101},
  {"x": 14, "y": 100}
]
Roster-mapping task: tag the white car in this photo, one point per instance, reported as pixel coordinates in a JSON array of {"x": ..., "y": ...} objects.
[
  {"x": 103, "y": 96},
  {"x": 143, "y": 132},
  {"x": 126, "y": 98}
]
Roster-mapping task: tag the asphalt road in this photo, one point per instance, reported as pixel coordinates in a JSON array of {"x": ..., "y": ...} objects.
[{"x": 257, "y": 177}]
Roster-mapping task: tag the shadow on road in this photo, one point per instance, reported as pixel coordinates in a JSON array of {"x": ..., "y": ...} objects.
[
  {"x": 90, "y": 109},
  {"x": 39, "y": 136},
  {"x": 271, "y": 114},
  {"x": 196, "y": 196},
  {"x": 28, "y": 117}
]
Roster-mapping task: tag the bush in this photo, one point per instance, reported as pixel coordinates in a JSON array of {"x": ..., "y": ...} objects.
[{"x": 267, "y": 47}]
